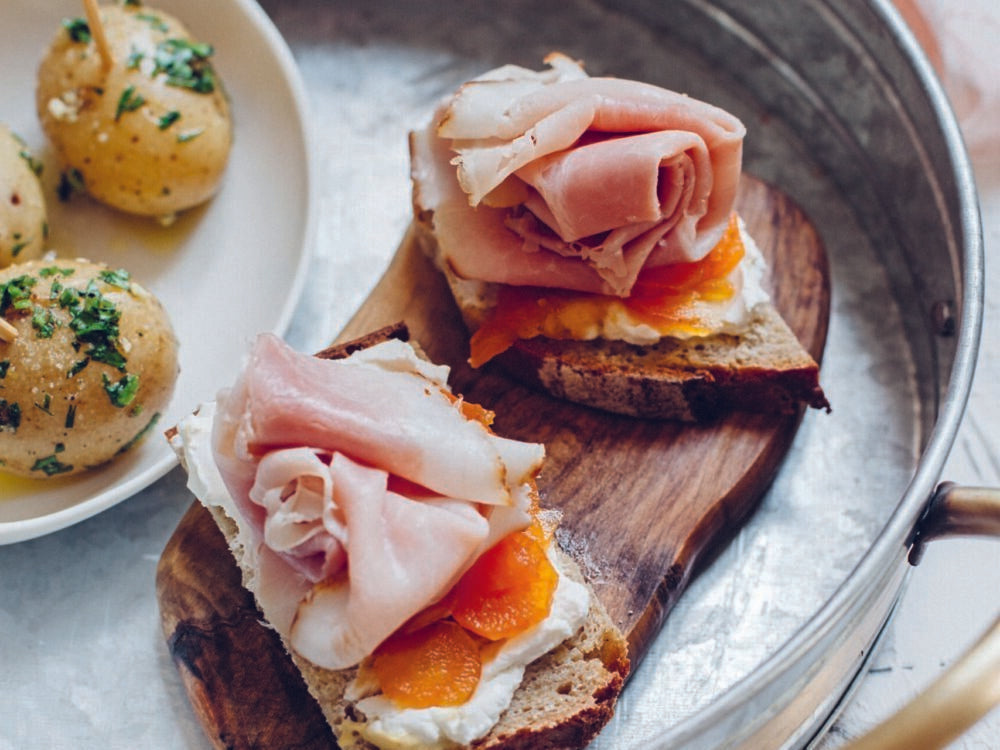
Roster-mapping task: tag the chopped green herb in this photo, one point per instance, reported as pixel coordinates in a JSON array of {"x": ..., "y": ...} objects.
[
  {"x": 95, "y": 322},
  {"x": 141, "y": 434},
  {"x": 16, "y": 293},
  {"x": 120, "y": 278},
  {"x": 132, "y": 3},
  {"x": 134, "y": 58},
  {"x": 77, "y": 29},
  {"x": 169, "y": 119},
  {"x": 10, "y": 415},
  {"x": 188, "y": 135},
  {"x": 51, "y": 466},
  {"x": 123, "y": 392},
  {"x": 4, "y": 367},
  {"x": 155, "y": 22},
  {"x": 129, "y": 101},
  {"x": 70, "y": 416},
  {"x": 43, "y": 321},
  {"x": 77, "y": 367},
  {"x": 17, "y": 247},
  {"x": 185, "y": 64},
  {"x": 71, "y": 181},
  {"x": 48, "y": 271},
  {"x": 45, "y": 405},
  {"x": 35, "y": 165}
]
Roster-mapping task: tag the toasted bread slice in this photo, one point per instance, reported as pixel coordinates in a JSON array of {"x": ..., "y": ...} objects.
[
  {"x": 564, "y": 700},
  {"x": 565, "y": 697},
  {"x": 765, "y": 369}
]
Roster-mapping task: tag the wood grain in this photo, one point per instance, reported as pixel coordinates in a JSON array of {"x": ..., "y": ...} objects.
[{"x": 644, "y": 502}]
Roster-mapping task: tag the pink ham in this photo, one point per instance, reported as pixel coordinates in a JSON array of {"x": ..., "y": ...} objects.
[
  {"x": 617, "y": 175},
  {"x": 364, "y": 485}
]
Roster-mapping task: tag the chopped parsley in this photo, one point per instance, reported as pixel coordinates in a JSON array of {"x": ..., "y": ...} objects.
[
  {"x": 134, "y": 58},
  {"x": 77, "y": 29},
  {"x": 70, "y": 416},
  {"x": 129, "y": 101},
  {"x": 46, "y": 404},
  {"x": 185, "y": 64},
  {"x": 188, "y": 135},
  {"x": 132, "y": 3},
  {"x": 77, "y": 367},
  {"x": 10, "y": 415},
  {"x": 50, "y": 465},
  {"x": 169, "y": 119},
  {"x": 16, "y": 293},
  {"x": 123, "y": 392},
  {"x": 55, "y": 270},
  {"x": 155, "y": 22},
  {"x": 70, "y": 181},
  {"x": 17, "y": 247},
  {"x": 35, "y": 165},
  {"x": 4, "y": 367},
  {"x": 43, "y": 321},
  {"x": 95, "y": 322},
  {"x": 119, "y": 278}
]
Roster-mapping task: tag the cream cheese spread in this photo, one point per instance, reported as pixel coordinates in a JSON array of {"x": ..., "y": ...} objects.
[{"x": 394, "y": 728}]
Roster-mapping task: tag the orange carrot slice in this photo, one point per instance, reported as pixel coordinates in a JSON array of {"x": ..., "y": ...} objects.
[
  {"x": 437, "y": 665},
  {"x": 507, "y": 590},
  {"x": 662, "y": 296}
]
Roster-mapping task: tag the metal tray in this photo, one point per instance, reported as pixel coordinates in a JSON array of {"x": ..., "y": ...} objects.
[
  {"x": 841, "y": 118},
  {"x": 844, "y": 115}
]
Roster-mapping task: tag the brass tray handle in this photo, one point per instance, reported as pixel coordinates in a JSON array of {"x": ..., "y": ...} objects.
[{"x": 970, "y": 688}]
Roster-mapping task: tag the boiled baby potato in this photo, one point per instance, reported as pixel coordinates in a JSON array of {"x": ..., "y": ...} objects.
[
  {"x": 88, "y": 361},
  {"x": 23, "y": 223},
  {"x": 147, "y": 131}
]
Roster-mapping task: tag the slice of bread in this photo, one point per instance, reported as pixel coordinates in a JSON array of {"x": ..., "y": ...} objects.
[
  {"x": 765, "y": 369},
  {"x": 564, "y": 700},
  {"x": 565, "y": 697}
]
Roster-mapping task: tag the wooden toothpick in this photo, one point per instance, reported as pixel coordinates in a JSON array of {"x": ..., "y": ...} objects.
[
  {"x": 97, "y": 32},
  {"x": 7, "y": 332}
]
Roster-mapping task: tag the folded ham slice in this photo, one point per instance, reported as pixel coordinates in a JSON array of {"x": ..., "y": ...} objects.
[
  {"x": 366, "y": 491},
  {"x": 557, "y": 179}
]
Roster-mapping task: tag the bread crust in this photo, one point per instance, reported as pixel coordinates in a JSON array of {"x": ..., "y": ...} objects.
[
  {"x": 700, "y": 379},
  {"x": 566, "y": 696}
]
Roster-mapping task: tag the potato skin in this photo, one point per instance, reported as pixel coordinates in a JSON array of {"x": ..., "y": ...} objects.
[
  {"x": 132, "y": 158},
  {"x": 58, "y": 416},
  {"x": 23, "y": 218}
]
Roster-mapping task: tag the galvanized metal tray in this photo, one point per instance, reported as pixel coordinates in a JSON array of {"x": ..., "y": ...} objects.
[{"x": 840, "y": 118}]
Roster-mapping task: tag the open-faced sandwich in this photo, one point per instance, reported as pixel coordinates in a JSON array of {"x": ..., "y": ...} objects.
[
  {"x": 586, "y": 229},
  {"x": 396, "y": 545}
]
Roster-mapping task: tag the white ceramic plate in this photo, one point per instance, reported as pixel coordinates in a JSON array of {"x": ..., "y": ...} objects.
[{"x": 225, "y": 272}]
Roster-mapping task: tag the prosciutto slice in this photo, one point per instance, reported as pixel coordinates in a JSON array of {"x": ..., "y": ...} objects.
[
  {"x": 608, "y": 176},
  {"x": 366, "y": 491}
]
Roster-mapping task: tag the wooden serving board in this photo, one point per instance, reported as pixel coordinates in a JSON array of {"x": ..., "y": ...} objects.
[{"x": 644, "y": 502}]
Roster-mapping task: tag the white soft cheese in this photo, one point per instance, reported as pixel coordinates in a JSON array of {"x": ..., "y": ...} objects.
[
  {"x": 617, "y": 323},
  {"x": 731, "y": 316},
  {"x": 394, "y": 728}
]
